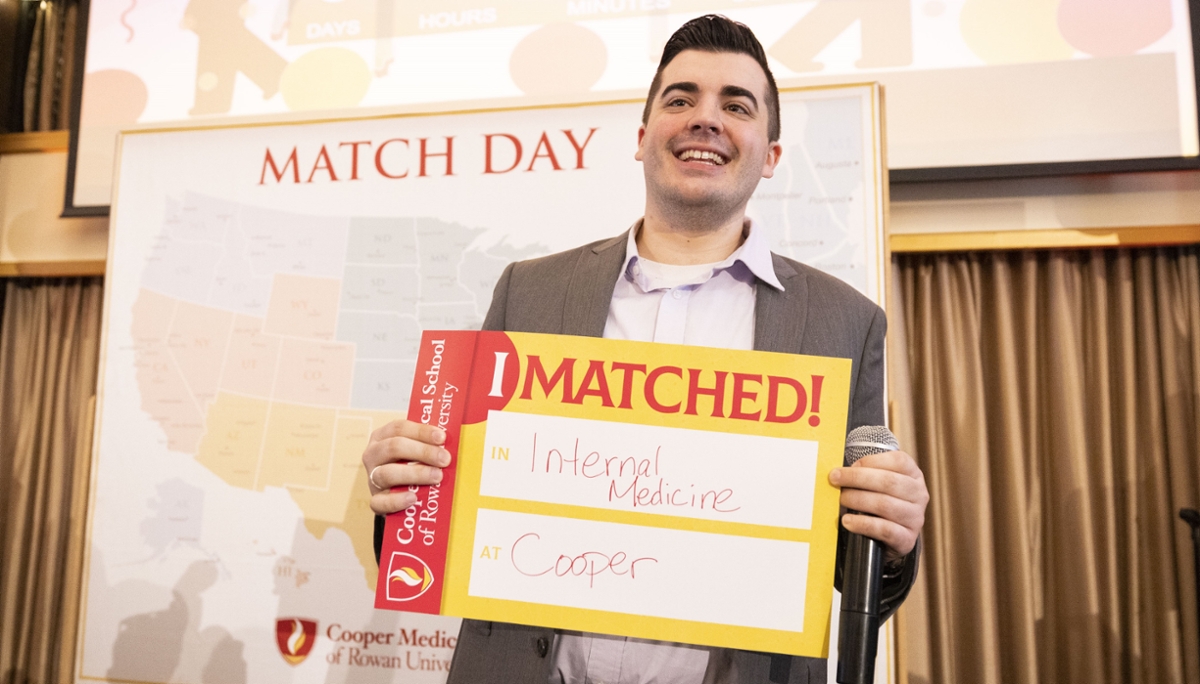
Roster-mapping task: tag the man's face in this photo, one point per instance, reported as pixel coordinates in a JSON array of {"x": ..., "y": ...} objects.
[{"x": 705, "y": 142}]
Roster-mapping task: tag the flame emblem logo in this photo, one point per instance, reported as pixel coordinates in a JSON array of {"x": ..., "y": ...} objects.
[
  {"x": 408, "y": 577},
  {"x": 295, "y": 638}
]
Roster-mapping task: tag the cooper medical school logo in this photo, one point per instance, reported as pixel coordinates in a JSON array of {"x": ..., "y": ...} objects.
[
  {"x": 408, "y": 577},
  {"x": 295, "y": 638}
]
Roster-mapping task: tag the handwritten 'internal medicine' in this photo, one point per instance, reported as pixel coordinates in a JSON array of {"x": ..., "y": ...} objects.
[{"x": 636, "y": 481}]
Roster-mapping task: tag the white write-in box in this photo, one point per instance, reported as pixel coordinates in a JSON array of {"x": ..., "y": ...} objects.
[
  {"x": 650, "y": 469},
  {"x": 640, "y": 570}
]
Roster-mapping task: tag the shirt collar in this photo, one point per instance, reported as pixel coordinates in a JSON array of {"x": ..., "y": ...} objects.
[{"x": 753, "y": 253}]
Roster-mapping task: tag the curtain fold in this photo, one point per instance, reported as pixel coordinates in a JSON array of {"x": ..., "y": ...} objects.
[
  {"x": 907, "y": 625},
  {"x": 49, "y": 348},
  {"x": 1055, "y": 403},
  {"x": 47, "y": 91},
  {"x": 33, "y": 71}
]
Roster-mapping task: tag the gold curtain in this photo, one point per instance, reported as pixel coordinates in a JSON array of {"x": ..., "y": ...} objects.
[
  {"x": 1056, "y": 413},
  {"x": 51, "y": 66},
  {"x": 49, "y": 348}
]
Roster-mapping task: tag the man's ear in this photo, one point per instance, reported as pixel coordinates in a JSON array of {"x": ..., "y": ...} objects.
[
  {"x": 641, "y": 135},
  {"x": 774, "y": 152}
]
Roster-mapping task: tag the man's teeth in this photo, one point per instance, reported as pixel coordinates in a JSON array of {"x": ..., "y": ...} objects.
[{"x": 701, "y": 155}]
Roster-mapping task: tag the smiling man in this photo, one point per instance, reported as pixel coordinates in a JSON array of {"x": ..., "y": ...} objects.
[{"x": 693, "y": 270}]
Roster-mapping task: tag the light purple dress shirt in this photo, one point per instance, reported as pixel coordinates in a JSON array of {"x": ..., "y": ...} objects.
[{"x": 709, "y": 305}]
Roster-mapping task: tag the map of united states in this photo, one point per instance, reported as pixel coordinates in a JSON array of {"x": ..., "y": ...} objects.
[{"x": 269, "y": 345}]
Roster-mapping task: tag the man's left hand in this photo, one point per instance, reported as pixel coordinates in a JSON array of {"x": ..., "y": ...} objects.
[{"x": 890, "y": 489}]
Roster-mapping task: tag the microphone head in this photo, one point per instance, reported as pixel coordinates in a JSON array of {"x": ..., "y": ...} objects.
[
  {"x": 869, "y": 439},
  {"x": 1191, "y": 516}
]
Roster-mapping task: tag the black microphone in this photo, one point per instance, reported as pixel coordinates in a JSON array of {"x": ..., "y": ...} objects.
[{"x": 862, "y": 573}]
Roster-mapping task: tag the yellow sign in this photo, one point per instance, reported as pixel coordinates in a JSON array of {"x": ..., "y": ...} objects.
[{"x": 657, "y": 491}]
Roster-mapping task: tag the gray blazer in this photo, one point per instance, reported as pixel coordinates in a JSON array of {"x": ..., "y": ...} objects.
[{"x": 569, "y": 293}]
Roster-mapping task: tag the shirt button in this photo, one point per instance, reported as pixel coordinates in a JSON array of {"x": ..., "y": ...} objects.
[{"x": 677, "y": 294}]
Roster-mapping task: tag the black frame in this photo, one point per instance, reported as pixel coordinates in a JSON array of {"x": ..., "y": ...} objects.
[
  {"x": 69, "y": 208},
  {"x": 895, "y": 176},
  {"x": 1006, "y": 171}
]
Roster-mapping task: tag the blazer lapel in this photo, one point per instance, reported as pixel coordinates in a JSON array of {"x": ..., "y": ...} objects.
[
  {"x": 591, "y": 287},
  {"x": 779, "y": 317}
]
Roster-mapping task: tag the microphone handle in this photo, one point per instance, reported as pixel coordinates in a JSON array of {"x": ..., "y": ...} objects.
[{"x": 858, "y": 629}]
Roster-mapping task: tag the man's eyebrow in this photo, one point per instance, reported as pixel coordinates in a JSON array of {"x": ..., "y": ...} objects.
[
  {"x": 738, "y": 91},
  {"x": 685, "y": 86}
]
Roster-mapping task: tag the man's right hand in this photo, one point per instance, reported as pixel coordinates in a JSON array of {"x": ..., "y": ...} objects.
[{"x": 403, "y": 453}]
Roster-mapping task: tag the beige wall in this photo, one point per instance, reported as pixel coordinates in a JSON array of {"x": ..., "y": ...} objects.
[
  {"x": 1076, "y": 211},
  {"x": 1080, "y": 202},
  {"x": 1094, "y": 210},
  {"x": 34, "y": 239}
]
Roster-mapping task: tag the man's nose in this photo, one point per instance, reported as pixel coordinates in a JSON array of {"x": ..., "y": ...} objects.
[{"x": 706, "y": 117}]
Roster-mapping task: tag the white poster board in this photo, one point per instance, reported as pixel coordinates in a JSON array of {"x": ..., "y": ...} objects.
[{"x": 262, "y": 317}]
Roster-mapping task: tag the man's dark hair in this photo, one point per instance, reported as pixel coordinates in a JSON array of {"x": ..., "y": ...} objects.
[{"x": 715, "y": 33}]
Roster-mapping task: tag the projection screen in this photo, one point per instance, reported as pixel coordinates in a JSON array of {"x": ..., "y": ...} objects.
[{"x": 969, "y": 83}]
